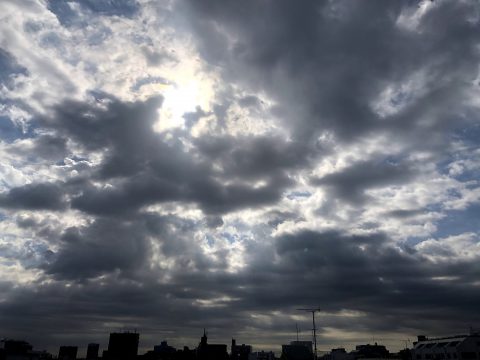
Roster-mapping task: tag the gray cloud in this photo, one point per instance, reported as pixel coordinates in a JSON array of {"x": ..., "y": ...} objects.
[
  {"x": 34, "y": 197},
  {"x": 155, "y": 58},
  {"x": 43, "y": 147},
  {"x": 146, "y": 168},
  {"x": 105, "y": 246},
  {"x": 355, "y": 273},
  {"x": 324, "y": 62},
  {"x": 152, "y": 232},
  {"x": 9, "y": 68},
  {"x": 351, "y": 183}
]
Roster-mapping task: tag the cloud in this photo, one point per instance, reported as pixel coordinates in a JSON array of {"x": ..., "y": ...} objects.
[
  {"x": 351, "y": 183},
  {"x": 141, "y": 167},
  {"x": 34, "y": 197},
  {"x": 42, "y": 147},
  {"x": 10, "y": 68},
  {"x": 359, "y": 274},
  {"x": 104, "y": 245},
  {"x": 324, "y": 65},
  {"x": 189, "y": 160}
]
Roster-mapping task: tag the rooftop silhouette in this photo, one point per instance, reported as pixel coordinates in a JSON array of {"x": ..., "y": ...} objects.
[{"x": 124, "y": 346}]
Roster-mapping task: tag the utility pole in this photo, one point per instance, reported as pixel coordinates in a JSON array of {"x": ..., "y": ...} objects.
[{"x": 313, "y": 311}]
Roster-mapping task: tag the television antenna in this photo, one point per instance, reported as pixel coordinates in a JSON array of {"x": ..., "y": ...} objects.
[{"x": 313, "y": 311}]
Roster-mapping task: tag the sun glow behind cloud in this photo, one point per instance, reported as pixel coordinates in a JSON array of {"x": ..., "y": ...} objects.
[
  {"x": 178, "y": 100},
  {"x": 191, "y": 89}
]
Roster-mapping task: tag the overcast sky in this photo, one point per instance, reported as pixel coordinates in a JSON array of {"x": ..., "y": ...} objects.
[{"x": 173, "y": 165}]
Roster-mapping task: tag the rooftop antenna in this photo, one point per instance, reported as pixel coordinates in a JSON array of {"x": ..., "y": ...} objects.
[
  {"x": 296, "y": 325},
  {"x": 313, "y": 311}
]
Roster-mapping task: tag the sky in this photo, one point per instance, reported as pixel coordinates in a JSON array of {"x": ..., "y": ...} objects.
[{"x": 169, "y": 166}]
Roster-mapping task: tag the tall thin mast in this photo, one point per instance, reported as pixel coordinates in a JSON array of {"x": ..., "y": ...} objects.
[{"x": 313, "y": 311}]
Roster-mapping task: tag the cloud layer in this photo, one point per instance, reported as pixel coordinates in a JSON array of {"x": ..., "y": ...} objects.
[{"x": 219, "y": 164}]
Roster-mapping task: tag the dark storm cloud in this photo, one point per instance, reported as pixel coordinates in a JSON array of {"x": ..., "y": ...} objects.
[
  {"x": 119, "y": 246},
  {"x": 51, "y": 147},
  {"x": 108, "y": 126},
  {"x": 144, "y": 167},
  {"x": 42, "y": 147},
  {"x": 351, "y": 183},
  {"x": 254, "y": 157},
  {"x": 34, "y": 197},
  {"x": 323, "y": 65},
  {"x": 326, "y": 62},
  {"x": 336, "y": 271},
  {"x": 361, "y": 273},
  {"x": 104, "y": 245},
  {"x": 107, "y": 245}
]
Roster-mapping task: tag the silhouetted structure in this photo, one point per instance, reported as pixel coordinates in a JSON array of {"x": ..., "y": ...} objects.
[
  {"x": 405, "y": 354},
  {"x": 261, "y": 355},
  {"x": 122, "y": 346},
  {"x": 370, "y": 351},
  {"x": 21, "y": 350},
  {"x": 239, "y": 352},
  {"x": 16, "y": 347},
  {"x": 457, "y": 347},
  {"x": 338, "y": 354},
  {"x": 314, "y": 329},
  {"x": 164, "y": 348},
  {"x": 163, "y": 352},
  {"x": 92, "y": 351},
  {"x": 297, "y": 350},
  {"x": 186, "y": 354},
  {"x": 67, "y": 353},
  {"x": 207, "y": 351}
]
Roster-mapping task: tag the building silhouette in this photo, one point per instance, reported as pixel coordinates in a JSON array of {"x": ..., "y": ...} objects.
[
  {"x": 297, "y": 350},
  {"x": 67, "y": 353},
  {"x": 92, "y": 351},
  {"x": 338, "y": 354},
  {"x": 21, "y": 350},
  {"x": 122, "y": 346},
  {"x": 370, "y": 352},
  {"x": 186, "y": 354},
  {"x": 164, "y": 349},
  {"x": 261, "y": 355},
  {"x": 163, "y": 352},
  {"x": 16, "y": 347},
  {"x": 207, "y": 351},
  {"x": 456, "y": 347},
  {"x": 239, "y": 352}
]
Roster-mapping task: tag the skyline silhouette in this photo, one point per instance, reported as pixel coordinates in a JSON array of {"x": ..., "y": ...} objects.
[{"x": 125, "y": 346}]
